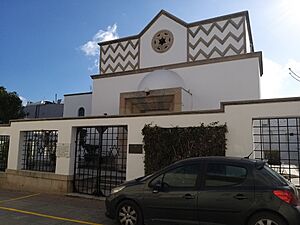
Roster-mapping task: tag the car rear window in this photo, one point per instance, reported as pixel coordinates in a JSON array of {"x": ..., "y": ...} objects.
[
  {"x": 220, "y": 175},
  {"x": 276, "y": 175}
]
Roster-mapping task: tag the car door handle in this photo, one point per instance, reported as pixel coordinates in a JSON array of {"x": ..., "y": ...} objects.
[
  {"x": 240, "y": 197},
  {"x": 189, "y": 196}
]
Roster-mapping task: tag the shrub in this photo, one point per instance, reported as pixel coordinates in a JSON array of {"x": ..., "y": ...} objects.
[{"x": 164, "y": 146}]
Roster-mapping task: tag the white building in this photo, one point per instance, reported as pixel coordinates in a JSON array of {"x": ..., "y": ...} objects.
[
  {"x": 171, "y": 74},
  {"x": 188, "y": 66}
]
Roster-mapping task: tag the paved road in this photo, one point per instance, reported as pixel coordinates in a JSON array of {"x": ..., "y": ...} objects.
[{"x": 24, "y": 208}]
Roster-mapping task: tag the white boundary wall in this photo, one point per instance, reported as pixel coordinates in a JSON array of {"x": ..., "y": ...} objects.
[{"x": 237, "y": 115}]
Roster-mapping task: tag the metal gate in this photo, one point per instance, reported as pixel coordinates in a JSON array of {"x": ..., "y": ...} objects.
[
  {"x": 100, "y": 161},
  {"x": 4, "y": 145},
  {"x": 278, "y": 141},
  {"x": 39, "y": 150}
]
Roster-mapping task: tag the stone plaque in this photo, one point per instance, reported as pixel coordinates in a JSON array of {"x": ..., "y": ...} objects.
[
  {"x": 136, "y": 148},
  {"x": 63, "y": 150}
]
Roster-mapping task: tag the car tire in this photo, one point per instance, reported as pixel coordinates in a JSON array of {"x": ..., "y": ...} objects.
[
  {"x": 266, "y": 218},
  {"x": 129, "y": 213}
]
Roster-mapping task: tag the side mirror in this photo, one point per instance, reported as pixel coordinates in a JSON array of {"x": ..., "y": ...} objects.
[{"x": 157, "y": 187}]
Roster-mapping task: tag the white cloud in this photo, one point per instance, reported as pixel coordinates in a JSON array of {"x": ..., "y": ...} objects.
[
  {"x": 24, "y": 100},
  {"x": 94, "y": 66},
  {"x": 276, "y": 81},
  {"x": 91, "y": 48},
  {"x": 287, "y": 12}
]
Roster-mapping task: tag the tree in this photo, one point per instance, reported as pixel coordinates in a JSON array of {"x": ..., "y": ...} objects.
[{"x": 10, "y": 106}]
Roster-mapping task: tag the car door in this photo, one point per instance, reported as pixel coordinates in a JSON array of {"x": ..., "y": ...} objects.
[
  {"x": 171, "y": 197},
  {"x": 227, "y": 194}
]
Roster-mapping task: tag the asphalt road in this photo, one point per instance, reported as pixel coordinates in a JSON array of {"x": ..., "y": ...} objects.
[{"x": 24, "y": 208}]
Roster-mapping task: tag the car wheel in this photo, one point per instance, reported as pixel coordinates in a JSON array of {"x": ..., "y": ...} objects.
[
  {"x": 266, "y": 218},
  {"x": 128, "y": 213}
]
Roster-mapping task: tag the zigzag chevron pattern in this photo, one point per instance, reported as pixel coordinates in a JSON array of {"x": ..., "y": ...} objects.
[
  {"x": 217, "y": 39},
  {"x": 119, "y": 57}
]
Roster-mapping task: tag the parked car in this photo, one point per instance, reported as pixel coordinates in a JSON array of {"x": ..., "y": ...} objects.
[{"x": 209, "y": 190}]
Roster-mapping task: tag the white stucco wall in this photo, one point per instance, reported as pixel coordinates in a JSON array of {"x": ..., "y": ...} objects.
[
  {"x": 187, "y": 100},
  {"x": 209, "y": 84},
  {"x": 226, "y": 81},
  {"x": 5, "y": 130},
  {"x": 177, "y": 53},
  {"x": 15, "y": 147},
  {"x": 73, "y": 102},
  {"x": 237, "y": 117},
  {"x": 106, "y": 94}
]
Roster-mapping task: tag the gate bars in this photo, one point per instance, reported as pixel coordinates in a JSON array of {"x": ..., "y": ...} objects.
[
  {"x": 100, "y": 160},
  {"x": 39, "y": 150},
  {"x": 278, "y": 141},
  {"x": 4, "y": 146}
]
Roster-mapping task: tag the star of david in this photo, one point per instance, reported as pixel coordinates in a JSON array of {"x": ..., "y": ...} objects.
[{"x": 162, "y": 41}]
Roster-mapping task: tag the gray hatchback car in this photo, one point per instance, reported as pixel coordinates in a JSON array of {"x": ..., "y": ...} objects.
[{"x": 209, "y": 190}]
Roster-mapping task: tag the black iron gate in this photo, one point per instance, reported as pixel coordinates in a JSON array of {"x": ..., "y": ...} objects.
[
  {"x": 278, "y": 141},
  {"x": 100, "y": 161},
  {"x": 4, "y": 145},
  {"x": 39, "y": 150}
]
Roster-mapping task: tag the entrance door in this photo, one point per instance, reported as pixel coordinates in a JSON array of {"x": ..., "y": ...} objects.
[{"x": 100, "y": 161}]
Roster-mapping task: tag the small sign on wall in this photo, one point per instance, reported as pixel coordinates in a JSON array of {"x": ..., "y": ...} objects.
[
  {"x": 135, "y": 148},
  {"x": 63, "y": 150}
]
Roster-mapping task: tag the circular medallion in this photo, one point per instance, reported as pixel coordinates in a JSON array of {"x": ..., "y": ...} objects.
[{"x": 162, "y": 41}]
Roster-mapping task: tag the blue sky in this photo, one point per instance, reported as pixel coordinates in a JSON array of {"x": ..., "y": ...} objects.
[{"x": 47, "y": 46}]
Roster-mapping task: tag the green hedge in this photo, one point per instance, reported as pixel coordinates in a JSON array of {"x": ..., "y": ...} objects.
[{"x": 164, "y": 146}]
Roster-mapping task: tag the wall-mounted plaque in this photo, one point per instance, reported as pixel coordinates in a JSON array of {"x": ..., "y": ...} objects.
[
  {"x": 162, "y": 41},
  {"x": 136, "y": 148},
  {"x": 63, "y": 150}
]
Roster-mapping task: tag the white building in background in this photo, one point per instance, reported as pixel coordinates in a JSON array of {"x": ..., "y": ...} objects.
[
  {"x": 177, "y": 66},
  {"x": 44, "y": 109},
  {"x": 171, "y": 74}
]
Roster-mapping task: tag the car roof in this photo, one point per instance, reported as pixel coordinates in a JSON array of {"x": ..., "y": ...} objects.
[{"x": 219, "y": 159}]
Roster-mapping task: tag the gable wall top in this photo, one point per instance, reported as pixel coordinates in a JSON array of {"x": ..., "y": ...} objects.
[{"x": 219, "y": 37}]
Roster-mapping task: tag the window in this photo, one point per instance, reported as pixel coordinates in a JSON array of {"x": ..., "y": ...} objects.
[
  {"x": 156, "y": 180},
  {"x": 4, "y": 145},
  {"x": 39, "y": 150},
  {"x": 277, "y": 176},
  {"x": 181, "y": 177},
  {"x": 81, "y": 111},
  {"x": 220, "y": 175}
]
